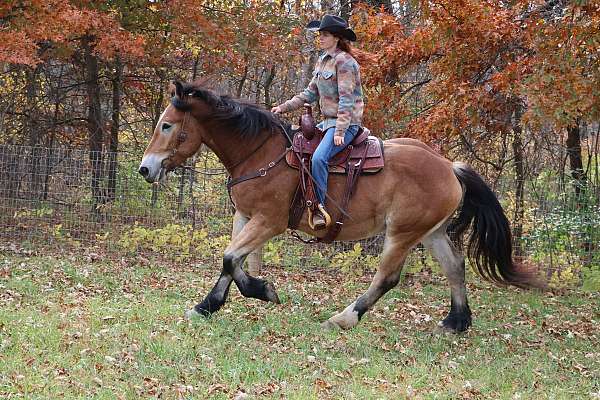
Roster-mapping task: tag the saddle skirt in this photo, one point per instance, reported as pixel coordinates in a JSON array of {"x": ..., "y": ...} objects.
[{"x": 350, "y": 156}]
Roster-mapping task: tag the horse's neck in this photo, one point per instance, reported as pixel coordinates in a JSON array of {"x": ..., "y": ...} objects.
[{"x": 240, "y": 156}]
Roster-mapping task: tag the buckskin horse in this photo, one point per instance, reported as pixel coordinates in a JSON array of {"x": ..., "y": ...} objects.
[{"x": 413, "y": 199}]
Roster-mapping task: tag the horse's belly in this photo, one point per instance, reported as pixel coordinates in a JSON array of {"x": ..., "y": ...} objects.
[
  {"x": 366, "y": 210},
  {"x": 353, "y": 229}
]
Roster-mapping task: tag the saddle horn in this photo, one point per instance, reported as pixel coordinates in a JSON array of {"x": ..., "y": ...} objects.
[{"x": 307, "y": 122}]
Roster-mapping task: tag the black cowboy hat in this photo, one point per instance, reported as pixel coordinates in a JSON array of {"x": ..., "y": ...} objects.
[{"x": 333, "y": 24}]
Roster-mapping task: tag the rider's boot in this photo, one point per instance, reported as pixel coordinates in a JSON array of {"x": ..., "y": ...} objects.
[{"x": 319, "y": 219}]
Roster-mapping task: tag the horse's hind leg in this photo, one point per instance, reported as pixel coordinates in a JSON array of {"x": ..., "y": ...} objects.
[
  {"x": 387, "y": 276},
  {"x": 453, "y": 266}
]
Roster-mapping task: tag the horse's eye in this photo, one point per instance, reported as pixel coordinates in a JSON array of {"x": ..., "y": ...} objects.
[{"x": 166, "y": 126}]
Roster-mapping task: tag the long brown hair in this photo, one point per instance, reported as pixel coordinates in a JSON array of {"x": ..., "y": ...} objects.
[
  {"x": 344, "y": 44},
  {"x": 361, "y": 56}
]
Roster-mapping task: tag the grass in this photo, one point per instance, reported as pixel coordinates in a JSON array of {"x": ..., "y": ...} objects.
[{"x": 93, "y": 328}]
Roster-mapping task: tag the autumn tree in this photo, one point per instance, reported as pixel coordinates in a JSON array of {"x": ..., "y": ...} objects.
[
  {"x": 479, "y": 73},
  {"x": 485, "y": 81}
]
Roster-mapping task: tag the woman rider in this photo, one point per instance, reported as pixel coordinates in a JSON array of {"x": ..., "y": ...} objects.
[{"x": 336, "y": 84}]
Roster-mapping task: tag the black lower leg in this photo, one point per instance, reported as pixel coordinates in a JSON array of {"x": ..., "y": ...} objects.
[
  {"x": 366, "y": 301},
  {"x": 459, "y": 317},
  {"x": 217, "y": 296},
  {"x": 258, "y": 289},
  {"x": 250, "y": 286}
]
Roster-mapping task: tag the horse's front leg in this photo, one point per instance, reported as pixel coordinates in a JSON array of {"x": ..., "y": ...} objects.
[
  {"x": 217, "y": 296},
  {"x": 254, "y": 234},
  {"x": 247, "y": 236}
]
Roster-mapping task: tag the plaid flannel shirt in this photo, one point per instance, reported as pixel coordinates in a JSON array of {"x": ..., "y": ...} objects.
[{"x": 336, "y": 84}]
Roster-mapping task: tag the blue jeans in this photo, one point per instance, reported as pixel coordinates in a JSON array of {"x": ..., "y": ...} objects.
[{"x": 324, "y": 152}]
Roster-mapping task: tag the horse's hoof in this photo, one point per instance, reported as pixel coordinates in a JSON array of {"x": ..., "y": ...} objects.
[
  {"x": 442, "y": 329},
  {"x": 272, "y": 293},
  {"x": 191, "y": 314},
  {"x": 456, "y": 322},
  {"x": 330, "y": 326}
]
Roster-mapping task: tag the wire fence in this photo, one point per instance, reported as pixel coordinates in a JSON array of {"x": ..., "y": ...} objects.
[{"x": 53, "y": 198}]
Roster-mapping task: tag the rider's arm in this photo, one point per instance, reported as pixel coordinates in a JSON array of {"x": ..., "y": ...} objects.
[
  {"x": 347, "y": 71},
  {"x": 309, "y": 95}
]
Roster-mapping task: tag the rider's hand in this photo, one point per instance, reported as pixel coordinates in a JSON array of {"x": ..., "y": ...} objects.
[
  {"x": 338, "y": 140},
  {"x": 276, "y": 110}
]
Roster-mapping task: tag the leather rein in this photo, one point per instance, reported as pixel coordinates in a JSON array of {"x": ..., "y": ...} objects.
[
  {"x": 261, "y": 172},
  {"x": 182, "y": 137}
]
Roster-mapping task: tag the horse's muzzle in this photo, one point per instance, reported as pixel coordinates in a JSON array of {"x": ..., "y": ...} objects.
[
  {"x": 144, "y": 172},
  {"x": 151, "y": 168}
]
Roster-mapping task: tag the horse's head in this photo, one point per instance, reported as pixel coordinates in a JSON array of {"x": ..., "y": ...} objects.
[
  {"x": 177, "y": 136},
  {"x": 231, "y": 128}
]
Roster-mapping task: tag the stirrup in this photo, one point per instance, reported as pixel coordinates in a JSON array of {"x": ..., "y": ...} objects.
[{"x": 325, "y": 215}]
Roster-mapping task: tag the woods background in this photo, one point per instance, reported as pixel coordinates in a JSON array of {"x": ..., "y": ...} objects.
[{"x": 509, "y": 87}]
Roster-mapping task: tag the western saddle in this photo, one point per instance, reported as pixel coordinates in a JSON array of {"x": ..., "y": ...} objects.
[{"x": 364, "y": 155}]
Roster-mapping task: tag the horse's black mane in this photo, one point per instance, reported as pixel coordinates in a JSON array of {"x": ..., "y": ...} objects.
[{"x": 236, "y": 116}]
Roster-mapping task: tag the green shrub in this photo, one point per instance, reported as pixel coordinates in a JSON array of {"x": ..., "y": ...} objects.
[
  {"x": 564, "y": 237},
  {"x": 179, "y": 242},
  {"x": 591, "y": 278},
  {"x": 272, "y": 252},
  {"x": 354, "y": 262}
]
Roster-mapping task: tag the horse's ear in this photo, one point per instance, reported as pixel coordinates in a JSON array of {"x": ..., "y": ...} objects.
[{"x": 176, "y": 89}]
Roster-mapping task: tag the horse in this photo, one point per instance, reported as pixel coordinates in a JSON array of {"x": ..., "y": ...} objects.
[{"x": 418, "y": 197}]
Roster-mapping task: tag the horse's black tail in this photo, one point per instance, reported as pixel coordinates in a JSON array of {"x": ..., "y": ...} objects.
[{"x": 490, "y": 244}]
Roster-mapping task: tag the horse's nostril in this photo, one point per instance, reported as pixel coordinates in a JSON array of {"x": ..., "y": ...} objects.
[{"x": 144, "y": 171}]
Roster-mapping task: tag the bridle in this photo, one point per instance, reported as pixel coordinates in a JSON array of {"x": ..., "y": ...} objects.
[
  {"x": 261, "y": 172},
  {"x": 181, "y": 138}
]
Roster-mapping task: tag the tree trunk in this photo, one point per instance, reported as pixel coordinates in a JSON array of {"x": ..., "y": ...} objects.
[
  {"x": 595, "y": 163},
  {"x": 345, "y": 9},
  {"x": 240, "y": 88},
  {"x": 518, "y": 153},
  {"x": 257, "y": 91},
  {"x": 94, "y": 119},
  {"x": 56, "y": 98},
  {"x": 48, "y": 166},
  {"x": 158, "y": 105},
  {"x": 180, "y": 196},
  {"x": 195, "y": 68},
  {"x": 308, "y": 65},
  {"x": 192, "y": 182},
  {"x": 268, "y": 83},
  {"x": 154, "y": 198},
  {"x": 578, "y": 175},
  {"x": 31, "y": 123},
  {"x": 33, "y": 133},
  {"x": 158, "y": 109},
  {"x": 575, "y": 159},
  {"x": 114, "y": 129},
  {"x": 11, "y": 162}
]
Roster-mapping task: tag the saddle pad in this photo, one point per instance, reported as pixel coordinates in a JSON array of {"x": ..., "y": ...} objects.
[{"x": 374, "y": 160}]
